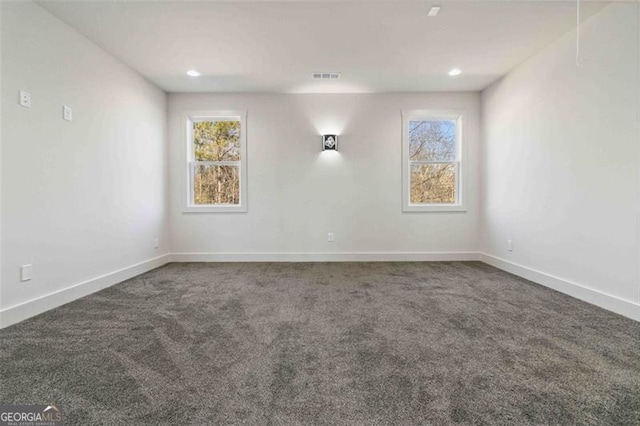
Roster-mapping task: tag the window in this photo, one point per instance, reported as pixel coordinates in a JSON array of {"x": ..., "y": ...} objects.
[
  {"x": 432, "y": 161},
  {"x": 216, "y": 162}
]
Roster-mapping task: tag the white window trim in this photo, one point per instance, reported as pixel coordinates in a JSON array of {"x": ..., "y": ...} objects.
[
  {"x": 412, "y": 115},
  {"x": 187, "y": 119}
]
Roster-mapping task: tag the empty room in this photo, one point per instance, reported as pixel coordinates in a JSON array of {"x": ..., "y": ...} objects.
[{"x": 319, "y": 212}]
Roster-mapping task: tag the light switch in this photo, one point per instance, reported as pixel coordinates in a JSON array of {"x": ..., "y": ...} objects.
[
  {"x": 26, "y": 272},
  {"x": 67, "y": 113},
  {"x": 25, "y": 99}
]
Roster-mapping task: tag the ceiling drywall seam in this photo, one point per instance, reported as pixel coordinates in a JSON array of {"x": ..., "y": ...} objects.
[
  {"x": 556, "y": 41},
  {"x": 38, "y": 4}
]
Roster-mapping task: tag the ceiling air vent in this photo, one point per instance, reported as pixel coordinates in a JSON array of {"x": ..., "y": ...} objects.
[{"x": 326, "y": 75}]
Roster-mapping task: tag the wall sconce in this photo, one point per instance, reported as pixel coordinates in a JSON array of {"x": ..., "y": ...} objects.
[{"x": 329, "y": 142}]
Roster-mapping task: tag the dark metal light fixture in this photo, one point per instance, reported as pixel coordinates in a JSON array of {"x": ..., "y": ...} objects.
[{"x": 329, "y": 142}]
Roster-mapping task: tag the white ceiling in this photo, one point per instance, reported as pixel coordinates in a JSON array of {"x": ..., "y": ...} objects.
[{"x": 270, "y": 46}]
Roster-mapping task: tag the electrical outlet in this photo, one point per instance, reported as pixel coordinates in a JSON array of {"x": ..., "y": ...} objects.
[
  {"x": 25, "y": 99},
  {"x": 156, "y": 243},
  {"x": 509, "y": 245},
  {"x": 330, "y": 237},
  {"x": 26, "y": 272},
  {"x": 67, "y": 113}
]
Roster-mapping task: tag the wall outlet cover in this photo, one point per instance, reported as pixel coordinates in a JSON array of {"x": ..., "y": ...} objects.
[
  {"x": 67, "y": 113},
  {"x": 26, "y": 272},
  {"x": 25, "y": 99}
]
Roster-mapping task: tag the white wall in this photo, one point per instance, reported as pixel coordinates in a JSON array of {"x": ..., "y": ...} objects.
[
  {"x": 297, "y": 194},
  {"x": 561, "y": 161},
  {"x": 79, "y": 199},
  {"x": 1, "y": 173},
  {"x": 83, "y": 201}
]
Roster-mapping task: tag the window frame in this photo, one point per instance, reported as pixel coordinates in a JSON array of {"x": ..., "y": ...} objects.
[
  {"x": 426, "y": 115},
  {"x": 189, "y": 162}
]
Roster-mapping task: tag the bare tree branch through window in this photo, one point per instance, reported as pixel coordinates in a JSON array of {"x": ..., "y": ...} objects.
[{"x": 432, "y": 161}]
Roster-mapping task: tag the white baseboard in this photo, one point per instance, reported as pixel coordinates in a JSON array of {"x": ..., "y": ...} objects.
[
  {"x": 325, "y": 257},
  {"x": 22, "y": 311},
  {"x": 612, "y": 303}
]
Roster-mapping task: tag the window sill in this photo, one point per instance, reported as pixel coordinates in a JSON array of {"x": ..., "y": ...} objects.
[
  {"x": 423, "y": 208},
  {"x": 214, "y": 209}
]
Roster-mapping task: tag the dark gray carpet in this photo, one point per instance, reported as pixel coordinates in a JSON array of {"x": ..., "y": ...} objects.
[{"x": 318, "y": 343}]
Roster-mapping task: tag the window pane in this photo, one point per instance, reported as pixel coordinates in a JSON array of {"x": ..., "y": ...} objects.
[
  {"x": 216, "y": 184},
  {"x": 432, "y": 140},
  {"x": 216, "y": 140},
  {"x": 433, "y": 183}
]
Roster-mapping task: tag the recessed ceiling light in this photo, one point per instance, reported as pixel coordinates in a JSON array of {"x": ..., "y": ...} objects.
[
  {"x": 434, "y": 11},
  {"x": 455, "y": 72},
  {"x": 193, "y": 73}
]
